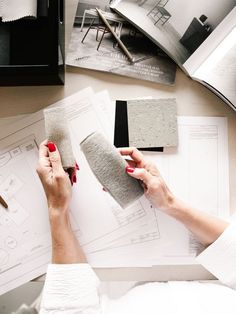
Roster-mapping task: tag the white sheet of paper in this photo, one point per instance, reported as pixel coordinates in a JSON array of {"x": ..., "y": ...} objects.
[
  {"x": 25, "y": 242},
  {"x": 11, "y": 119},
  {"x": 196, "y": 173},
  {"x": 198, "y": 140},
  {"x": 116, "y": 222},
  {"x": 24, "y": 227}
]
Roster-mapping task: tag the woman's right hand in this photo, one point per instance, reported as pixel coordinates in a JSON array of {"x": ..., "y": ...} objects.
[
  {"x": 205, "y": 227},
  {"x": 55, "y": 180},
  {"x": 155, "y": 187}
]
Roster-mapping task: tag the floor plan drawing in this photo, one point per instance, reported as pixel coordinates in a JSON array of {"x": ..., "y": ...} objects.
[
  {"x": 10, "y": 185},
  {"x": 24, "y": 227}
]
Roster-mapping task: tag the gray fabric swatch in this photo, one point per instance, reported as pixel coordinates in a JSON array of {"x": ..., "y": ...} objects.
[
  {"x": 57, "y": 131},
  {"x": 152, "y": 122},
  {"x": 109, "y": 168}
]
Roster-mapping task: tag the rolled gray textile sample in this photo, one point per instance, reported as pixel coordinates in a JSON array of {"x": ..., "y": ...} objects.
[
  {"x": 57, "y": 131},
  {"x": 109, "y": 168}
]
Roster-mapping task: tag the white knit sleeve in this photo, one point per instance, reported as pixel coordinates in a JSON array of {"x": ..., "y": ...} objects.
[
  {"x": 220, "y": 257},
  {"x": 70, "y": 289}
]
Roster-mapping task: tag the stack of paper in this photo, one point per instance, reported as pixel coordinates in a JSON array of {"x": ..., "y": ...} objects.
[{"x": 140, "y": 235}]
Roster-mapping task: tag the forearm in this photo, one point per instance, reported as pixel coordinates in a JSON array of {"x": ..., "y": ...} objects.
[
  {"x": 205, "y": 227},
  {"x": 71, "y": 287},
  {"x": 65, "y": 247}
]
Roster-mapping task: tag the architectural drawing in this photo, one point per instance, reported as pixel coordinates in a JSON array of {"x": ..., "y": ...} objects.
[{"x": 24, "y": 225}]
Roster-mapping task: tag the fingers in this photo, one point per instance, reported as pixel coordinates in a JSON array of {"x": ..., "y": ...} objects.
[
  {"x": 133, "y": 152},
  {"x": 72, "y": 173},
  {"x": 43, "y": 150},
  {"x": 55, "y": 159},
  {"x": 140, "y": 174},
  {"x": 43, "y": 162},
  {"x": 50, "y": 163},
  {"x": 131, "y": 163}
]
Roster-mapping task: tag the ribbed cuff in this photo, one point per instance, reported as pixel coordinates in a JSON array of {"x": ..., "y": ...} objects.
[
  {"x": 70, "y": 286},
  {"x": 220, "y": 257}
]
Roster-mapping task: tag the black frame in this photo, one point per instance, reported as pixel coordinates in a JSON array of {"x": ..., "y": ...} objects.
[{"x": 52, "y": 32}]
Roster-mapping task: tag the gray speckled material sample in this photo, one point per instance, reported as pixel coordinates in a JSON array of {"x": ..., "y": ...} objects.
[
  {"x": 57, "y": 131},
  {"x": 152, "y": 122},
  {"x": 109, "y": 168}
]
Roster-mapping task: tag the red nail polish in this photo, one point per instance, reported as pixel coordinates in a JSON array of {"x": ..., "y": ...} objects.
[
  {"x": 51, "y": 147},
  {"x": 77, "y": 166},
  {"x": 74, "y": 178},
  {"x": 129, "y": 169}
]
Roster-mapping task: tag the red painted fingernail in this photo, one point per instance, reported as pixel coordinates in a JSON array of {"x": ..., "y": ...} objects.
[
  {"x": 129, "y": 169},
  {"x": 77, "y": 166},
  {"x": 104, "y": 189},
  {"x": 51, "y": 147},
  {"x": 74, "y": 178}
]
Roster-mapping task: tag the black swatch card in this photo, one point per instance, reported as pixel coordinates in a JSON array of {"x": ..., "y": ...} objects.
[{"x": 121, "y": 132}]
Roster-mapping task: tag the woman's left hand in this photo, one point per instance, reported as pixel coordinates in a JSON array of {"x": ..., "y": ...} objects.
[{"x": 55, "y": 180}]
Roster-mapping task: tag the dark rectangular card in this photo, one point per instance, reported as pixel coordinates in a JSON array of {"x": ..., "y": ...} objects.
[{"x": 121, "y": 132}]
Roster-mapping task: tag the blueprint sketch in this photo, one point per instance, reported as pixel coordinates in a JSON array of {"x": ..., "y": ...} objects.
[{"x": 24, "y": 227}]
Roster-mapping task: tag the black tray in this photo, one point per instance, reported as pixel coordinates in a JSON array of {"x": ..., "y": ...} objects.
[{"x": 35, "y": 49}]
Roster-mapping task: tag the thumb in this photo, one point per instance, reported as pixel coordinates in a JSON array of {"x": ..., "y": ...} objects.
[
  {"x": 55, "y": 158},
  {"x": 140, "y": 174}
]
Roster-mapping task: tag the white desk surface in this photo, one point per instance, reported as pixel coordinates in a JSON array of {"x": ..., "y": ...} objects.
[{"x": 192, "y": 98}]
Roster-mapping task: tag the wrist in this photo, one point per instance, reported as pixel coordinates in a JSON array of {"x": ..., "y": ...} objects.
[
  {"x": 57, "y": 211},
  {"x": 181, "y": 211},
  {"x": 58, "y": 216},
  {"x": 175, "y": 207},
  {"x": 61, "y": 230},
  {"x": 167, "y": 206}
]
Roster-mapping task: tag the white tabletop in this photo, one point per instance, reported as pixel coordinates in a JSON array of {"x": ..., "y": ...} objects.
[{"x": 192, "y": 98}]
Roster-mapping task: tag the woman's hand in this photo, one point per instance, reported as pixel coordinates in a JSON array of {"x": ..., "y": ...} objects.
[
  {"x": 55, "y": 180},
  {"x": 57, "y": 186},
  {"x": 205, "y": 227},
  {"x": 155, "y": 188}
]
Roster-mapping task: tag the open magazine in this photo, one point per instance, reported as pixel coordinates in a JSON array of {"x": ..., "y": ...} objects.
[
  {"x": 200, "y": 36},
  {"x": 92, "y": 46}
]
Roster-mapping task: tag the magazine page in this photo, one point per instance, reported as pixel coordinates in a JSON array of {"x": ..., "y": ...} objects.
[
  {"x": 219, "y": 69},
  {"x": 93, "y": 46},
  {"x": 208, "y": 46},
  {"x": 179, "y": 27}
]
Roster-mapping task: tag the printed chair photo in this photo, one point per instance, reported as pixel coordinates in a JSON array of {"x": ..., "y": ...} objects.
[{"x": 159, "y": 13}]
